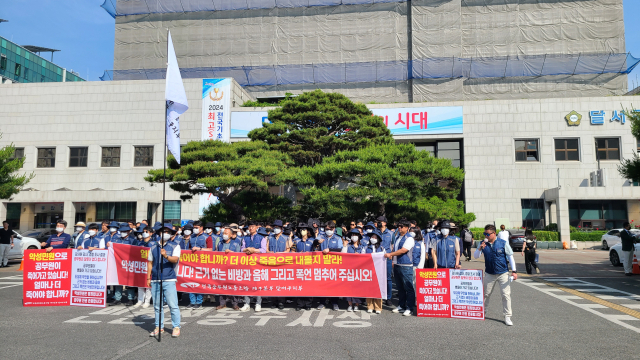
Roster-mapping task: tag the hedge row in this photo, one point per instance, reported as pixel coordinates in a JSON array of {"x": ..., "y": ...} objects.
[
  {"x": 587, "y": 236},
  {"x": 478, "y": 234}
]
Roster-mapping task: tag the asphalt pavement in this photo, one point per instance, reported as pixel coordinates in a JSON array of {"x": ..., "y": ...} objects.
[{"x": 549, "y": 322}]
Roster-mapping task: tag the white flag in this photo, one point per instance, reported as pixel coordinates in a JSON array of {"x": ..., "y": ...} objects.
[{"x": 176, "y": 101}]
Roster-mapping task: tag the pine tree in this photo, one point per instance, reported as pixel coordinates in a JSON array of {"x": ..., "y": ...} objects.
[
  {"x": 10, "y": 182},
  {"x": 630, "y": 168}
]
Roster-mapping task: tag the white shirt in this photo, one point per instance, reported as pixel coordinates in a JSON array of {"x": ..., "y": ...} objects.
[
  {"x": 409, "y": 243},
  {"x": 176, "y": 252}
]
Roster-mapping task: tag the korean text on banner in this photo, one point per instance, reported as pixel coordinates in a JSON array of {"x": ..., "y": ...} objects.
[
  {"x": 467, "y": 294},
  {"x": 216, "y": 121},
  {"x": 285, "y": 274},
  {"x": 89, "y": 278},
  {"x": 176, "y": 99},
  {"x": 216, "y": 109},
  {"x": 128, "y": 265},
  {"x": 450, "y": 293},
  {"x": 46, "y": 278},
  {"x": 426, "y": 120}
]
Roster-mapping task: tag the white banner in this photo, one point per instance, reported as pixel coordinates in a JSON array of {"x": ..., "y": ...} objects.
[
  {"x": 89, "y": 278},
  {"x": 216, "y": 109},
  {"x": 216, "y": 121}
]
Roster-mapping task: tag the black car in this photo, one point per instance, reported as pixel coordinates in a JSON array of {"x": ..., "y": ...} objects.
[{"x": 516, "y": 240}]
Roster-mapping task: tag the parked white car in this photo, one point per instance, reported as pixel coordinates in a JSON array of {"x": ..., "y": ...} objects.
[
  {"x": 612, "y": 237},
  {"x": 20, "y": 244},
  {"x": 615, "y": 254}
]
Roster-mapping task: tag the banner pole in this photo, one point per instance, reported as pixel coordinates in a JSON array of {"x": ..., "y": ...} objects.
[{"x": 164, "y": 189}]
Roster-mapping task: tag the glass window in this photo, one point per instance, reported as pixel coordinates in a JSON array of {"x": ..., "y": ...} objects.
[
  {"x": 567, "y": 150},
  {"x": 18, "y": 70},
  {"x": 3, "y": 62},
  {"x": 13, "y": 215},
  {"x": 110, "y": 157},
  {"x": 172, "y": 211},
  {"x": 143, "y": 156},
  {"x": 608, "y": 149},
  {"x": 527, "y": 150},
  {"x": 18, "y": 153},
  {"x": 533, "y": 213},
  {"x": 46, "y": 157},
  {"x": 78, "y": 156},
  {"x": 115, "y": 211}
]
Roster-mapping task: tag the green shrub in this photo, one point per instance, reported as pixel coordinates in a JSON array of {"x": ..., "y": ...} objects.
[
  {"x": 551, "y": 227},
  {"x": 587, "y": 236},
  {"x": 547, "y": 235}
]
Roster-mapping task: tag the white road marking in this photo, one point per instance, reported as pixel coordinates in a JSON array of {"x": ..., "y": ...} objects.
[
  {"x": 614, "y": 318},
  {"x": 79, "y": 320},
  {"x": 4, "y": 287}
]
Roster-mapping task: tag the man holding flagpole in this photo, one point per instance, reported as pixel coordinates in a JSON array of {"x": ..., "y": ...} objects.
[{"x": 162, "y": 263}]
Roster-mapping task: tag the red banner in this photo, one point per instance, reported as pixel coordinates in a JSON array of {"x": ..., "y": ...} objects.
[
  {"x": 46, "y": 278},
  {"x": 127, "y": 265},
  {"x": 450, "y": 293},
  {"x": 279, "y": 274}
]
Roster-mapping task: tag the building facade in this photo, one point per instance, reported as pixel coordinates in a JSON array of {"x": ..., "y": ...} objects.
[
  {"x": 383, "y": 50},
  {"x": 527, "y": 162},
  {"x": 18, "y": 64}
]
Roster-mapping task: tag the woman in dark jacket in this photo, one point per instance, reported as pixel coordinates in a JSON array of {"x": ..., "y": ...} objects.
[{"x": 529, "y": 252}]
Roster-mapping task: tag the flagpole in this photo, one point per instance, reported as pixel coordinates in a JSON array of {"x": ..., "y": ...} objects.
[{"x": 164, "y": 190}]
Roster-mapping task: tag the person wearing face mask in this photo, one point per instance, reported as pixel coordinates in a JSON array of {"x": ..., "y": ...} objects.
[
  {"x": 403, "y": 269},
  {"x": 305, "y": 244},
  {"x": 253, "y": 243},
  {"x": 431, "y": 240},
  {"x": 194, "y": 240},
  {"x": 144, "y": 294},
  {"x": 213, "y": 237},
  {"x": 355, "y": 247},
  {"x": 387, "y": 244},
  {"x": 90, "y": 240},
  {"x": 162, "y": 270},
  {"x": 124, "y": 231},
  {"x": 447, "y": 248},
  {"x": 112, "y": 233},
  {"x": 368, "y": 230},
  {"x": 79, "y": 233},
  {"x": 58, "y": 241},
  {"x": 228, "y": 244},
  {"x": 331, "y": 243},
  {"x": 375, "y": 246},
  {"x": 418, "y": 253}
]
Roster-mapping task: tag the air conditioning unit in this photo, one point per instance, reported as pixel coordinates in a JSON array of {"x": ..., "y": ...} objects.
[{"x": 598, "y": 178}]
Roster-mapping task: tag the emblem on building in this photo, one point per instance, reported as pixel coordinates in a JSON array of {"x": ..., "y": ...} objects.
[{"x": 573, "y": 118}]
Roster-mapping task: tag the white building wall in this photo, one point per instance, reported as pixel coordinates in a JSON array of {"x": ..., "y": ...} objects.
[{"x": 130, "y": 113}]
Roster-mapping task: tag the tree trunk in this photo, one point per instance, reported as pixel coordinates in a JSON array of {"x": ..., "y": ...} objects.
[{"x": 237, "y": 210}]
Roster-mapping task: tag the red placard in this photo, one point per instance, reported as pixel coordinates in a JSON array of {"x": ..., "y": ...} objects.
[
  {"x": 46, "y": 278},
  {"x": 433, "y": 293}
]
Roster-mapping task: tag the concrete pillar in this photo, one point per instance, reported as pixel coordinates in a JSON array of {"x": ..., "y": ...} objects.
[
  {"x": 633, "y": 212},
  {"x": 27, "y": 216},
  {"x": 553, "y": 215},
  {"x": 141, "y": 210},
  {"x": 69, "y": 214},
  {"x": 3, "y": 211},
  {"x": 91, "y": 212},
  {"x": 562, "y": 213}
]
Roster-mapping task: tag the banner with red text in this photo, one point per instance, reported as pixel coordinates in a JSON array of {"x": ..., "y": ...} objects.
[
  {"x": 127, "y": 265},
  {"x": 46, "y": 280},
  {"x": 450, "y": 293},
  {"x": 279, "y": 274}
]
